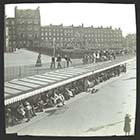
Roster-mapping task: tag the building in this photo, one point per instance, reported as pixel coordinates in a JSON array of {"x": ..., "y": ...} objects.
[
  {"x": 25, "y": 31},
  {"x": 81, "y": 37},
  {"x": 130, "y": 41},
  {"x": 10, "y": 34},
  {"x": 27, "y": 28},
  {"x": 58, "y": 35}
]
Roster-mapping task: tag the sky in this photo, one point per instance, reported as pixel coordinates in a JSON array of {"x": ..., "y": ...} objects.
[{"x": 115, "y": 15}]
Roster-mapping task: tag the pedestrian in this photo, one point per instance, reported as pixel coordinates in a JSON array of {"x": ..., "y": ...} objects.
[
  {"x": 59, "y": 62},
  {"x": 52, "y": 63},
  {"x": 68, "y": 60},
  {"x": 127, "y": 125},
  {"x": 38, "y": 62}
]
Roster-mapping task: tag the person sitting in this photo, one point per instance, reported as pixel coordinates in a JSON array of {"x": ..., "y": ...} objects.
[
  {"x": 40, "y": 105},
  {"x": 21, "y": 111},
  {"x": 8, "y": 116},
  {"x": 69, "y": 92},
  {"x": 28, "y": 109},
  {"x": 58, "y": 99}
]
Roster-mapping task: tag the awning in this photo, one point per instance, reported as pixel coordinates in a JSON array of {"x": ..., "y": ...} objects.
[{"x": 21, "y": 89}]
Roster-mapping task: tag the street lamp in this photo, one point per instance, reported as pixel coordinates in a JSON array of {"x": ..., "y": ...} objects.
[{"x": 54, "y": 47}]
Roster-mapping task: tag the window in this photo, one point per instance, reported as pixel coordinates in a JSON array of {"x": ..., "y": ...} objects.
[
  {"x": 29, "y": 27},
  {"x": 22, "y": 35},
  {"x": 12, "y": 22},
  {"x": 29, "y": 21},
  {"x": 36, "y": 22},
  {"x": 36, "y": 28},
  {"x": 30, "y": 35}
]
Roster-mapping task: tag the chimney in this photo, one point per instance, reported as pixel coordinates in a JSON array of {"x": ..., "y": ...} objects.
[
  {"x": 82, "y": 25},
  {"x": 15, "y": 11}
]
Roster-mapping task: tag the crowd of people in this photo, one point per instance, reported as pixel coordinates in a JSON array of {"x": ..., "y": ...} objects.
[
  {"x": 104, "y": 76},
  {"x": 99, "y": 56},
  {"x": 28, "y": 109},
  {"x": 96, "y": 56},
  {"x": 58, "y": 60}
]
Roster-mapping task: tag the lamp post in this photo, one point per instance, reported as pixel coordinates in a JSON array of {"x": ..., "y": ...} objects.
[{"x": 54, "y": 49}]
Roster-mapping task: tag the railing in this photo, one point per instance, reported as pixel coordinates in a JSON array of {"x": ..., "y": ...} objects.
[{"x": 30, "y": 70}]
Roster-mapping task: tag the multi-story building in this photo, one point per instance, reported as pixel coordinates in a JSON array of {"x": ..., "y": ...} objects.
[
  {"x": 81, "y": 37},
  {"x": 25, "y": 31},
  {"x": 27, "y": 28},
  {"x": 10, "y": 35},
  {"x": 130, "y": 41},
  {"x": 58, "y": 35}
]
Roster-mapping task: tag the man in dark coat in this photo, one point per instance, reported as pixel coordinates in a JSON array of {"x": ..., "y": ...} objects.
[
  {"x": 127, "y": 125},
  {"x": 59, "y": 62},
  {"x": 68, "y": 60},
  {"x": 52, "y": 63},
  {"x": 38, "y": 62}
]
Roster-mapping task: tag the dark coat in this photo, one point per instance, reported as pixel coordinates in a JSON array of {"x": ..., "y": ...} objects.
[{"x": 127, "y": 124}]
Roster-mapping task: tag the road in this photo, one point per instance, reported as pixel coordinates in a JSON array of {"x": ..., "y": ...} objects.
[{"x": 100, "y": 114}]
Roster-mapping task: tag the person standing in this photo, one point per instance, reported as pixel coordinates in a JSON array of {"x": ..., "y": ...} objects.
[
  {"x": 127, "y": 127},
  {"x": 52, "y": 63},
  {"x": 38, "y": 62},
  {"x": 68, "y": 60},
  {"x": 59, "y": 62}
]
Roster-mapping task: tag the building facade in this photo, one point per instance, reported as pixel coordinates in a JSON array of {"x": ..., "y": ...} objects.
[
  {"x": 130, "y": 41},
  {"x": 81, "y": 37},
  {"x": 25, "y": 31},
  {"x": 27, "y": 28},
  {"x": 10, "y": 35}
]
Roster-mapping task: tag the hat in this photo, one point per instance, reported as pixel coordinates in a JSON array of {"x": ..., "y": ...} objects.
[{"x": 127, "y": 115}]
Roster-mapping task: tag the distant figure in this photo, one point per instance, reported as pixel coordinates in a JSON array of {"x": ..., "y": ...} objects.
[
  {"x": 127, "y": 125},
  {"x": 52, "y": 63},
  {"x": 38, "y": 62},
  {"x": 59, "y": 62},
  {"x": 68, "y": 60}
]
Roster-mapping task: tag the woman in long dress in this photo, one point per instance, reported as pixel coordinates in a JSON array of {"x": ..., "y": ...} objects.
[{"x": 127, "y": 127}]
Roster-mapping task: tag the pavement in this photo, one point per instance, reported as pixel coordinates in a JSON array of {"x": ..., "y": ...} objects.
[
  {"x": 21, "y": 64},
  {"x": 25, "y": 57},
  {"x": 100, "y": 114}
]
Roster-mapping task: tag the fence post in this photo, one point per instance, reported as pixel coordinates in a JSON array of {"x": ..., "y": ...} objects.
[{"x": 19, "y": 72}]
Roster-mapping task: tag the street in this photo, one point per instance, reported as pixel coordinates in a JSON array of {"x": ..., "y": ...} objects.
[{"x": 97, "y": 114}]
